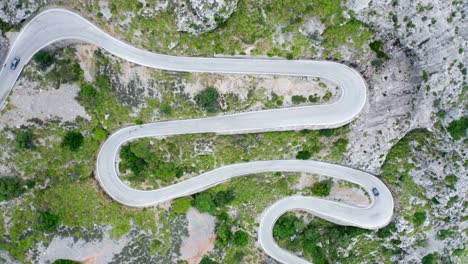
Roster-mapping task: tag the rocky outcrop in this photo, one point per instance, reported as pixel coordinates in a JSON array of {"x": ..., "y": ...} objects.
[
  {"x": 199, "y": 16},
  {"x": 423, "y": 81}
]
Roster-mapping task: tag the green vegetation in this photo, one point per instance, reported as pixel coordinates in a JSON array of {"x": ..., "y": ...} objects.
[
  {"x": 419, "y": 218},
  {"x": 241, "y": 238},
  {"x": 377, "y": 47},
  {"x": 207, "y": 260},
  {"x": 208, "y": 100},
  {"x": 285, "y": 227},
  {"x": 204, "y": 203},
  {"x": 303, "y": 155},
  {"x": 298, "y": 99},
  {"x": 457, "y": 128},
  {"x": 425, "y": 76},
  {"x": 451, "y": 180},
  {"x": 72, "y": 140},
  {"x": 11, "y": 187},
  {"x": 100, "y": 134},
  {"x": 25, "y": 139},
  {"x": 181, "y": 205},
  {"x": 430, "y": 258},
  {"x": 49, "y": 221},
  {"x": 253, "y": 23},
  {"x": 143, "y": 164},
  {"x": 65, "y": 68},
  {"x": 322, "y": 188},
  {"x": 223, "y": 198},
  {"x": 65, "y": 261},
  {"x": 319, "y": 241},
  {"x": 44, "y": 59},
  {"x": 159, "y": 162},
  {"x": 165, "y": 108}
]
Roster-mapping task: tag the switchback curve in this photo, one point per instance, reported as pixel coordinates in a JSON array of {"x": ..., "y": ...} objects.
[{"x": 59, "y": 24}]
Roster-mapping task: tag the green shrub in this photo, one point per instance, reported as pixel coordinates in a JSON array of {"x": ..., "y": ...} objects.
[
  {"x": 72, "y": 140},
  {"x": 181, "y": 205},
  {"x": 241, "y": 238},
  {"x": 204, "y": 203},
  {"x": 87, "y": 91},
  {"x": 377, "y": 47},
  {"x": 208, "y": 99},
  {"x": 451, "y": 180},
  {"x": 430, "y": 258},
  {"x": 322, "y": 188},
  {"x": 25, "y": 139},
  {"x": 49, "y": 221},
  {"x": 457, "y": 128},
  {"x": 223, "y": 235},
  {"x": 207, "y": 260},
  {"x": 10, "y": 187},
  {"x": 139, "y": 121},
  {"x": 165, "y": 108},
  {"x": 419, "y": 218},
  {"x": 298, "y": 99},
  {"x": 327, "y": 132},
  {"x": 317, "y": 253},
  {"x": 129, "y": 160},
  {"x": 425, "y": 76},
  {"x": 102, "y": 82},
  {"x": 100, "y": 134},
  {"x": 313, "y": 98},
  {"x": 65, "y": 261},
  {"x": 44, "y": 59},
  {"x": 303, "y": 155},
  {"x": 285, "y": 227},
  {"x": 328, "y": 95},
  {"x": 223, "y": 198}
]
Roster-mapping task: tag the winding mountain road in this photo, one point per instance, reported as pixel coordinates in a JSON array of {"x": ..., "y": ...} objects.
[{"x": 58, "y": 24}]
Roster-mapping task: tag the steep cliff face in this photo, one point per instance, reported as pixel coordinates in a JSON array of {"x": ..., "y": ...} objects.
[{"x": 422, "y": 84}]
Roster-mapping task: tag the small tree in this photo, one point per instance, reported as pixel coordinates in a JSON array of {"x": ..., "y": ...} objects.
[
  {"x": 208, "y": 99},
  {"x": 25, "y": 139},
  {"x": 9, "y": 187},
  {"x": 181, "y": 205},
  {"x": 419, "y": 218},
  {"x": 322, "y": 188},
  {"x": 223, "y": 197},
  {"x": 204, "y": 203},
  {"x": 49, "y": 221},
  {"x": 458, "y": 128},
  {"x": 207, "y": 260},
  {"x": 100, "y": 134},
  {"x": 298, "y": 99},
  {"x": 303, "y": 155},
  {"x": 44, "y": 59},
  {"x": 285, "y": 226},
  {"x": 72, "y": 140},
  {"x": 87, "y": 91},
  {"x": 241, "y": 238},
  {"x": 165, "y": 108},
  {"x": 223, "y": 233}
]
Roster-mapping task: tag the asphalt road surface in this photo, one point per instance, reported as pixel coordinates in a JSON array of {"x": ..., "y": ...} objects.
[{"x": 58, "y": 24}]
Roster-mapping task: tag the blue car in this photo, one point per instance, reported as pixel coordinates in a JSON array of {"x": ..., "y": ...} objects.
[
  {"x": 14, "y": 63},
  {"x": 375, "y": 191}
]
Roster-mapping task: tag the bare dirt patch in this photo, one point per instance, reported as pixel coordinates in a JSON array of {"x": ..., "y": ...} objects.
[
  {"x": 241, "y": 85},
  {"x": 201, "y": 236},
  {"x": 96, "y": 251},
  {"x": 27, "y": 101}
]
